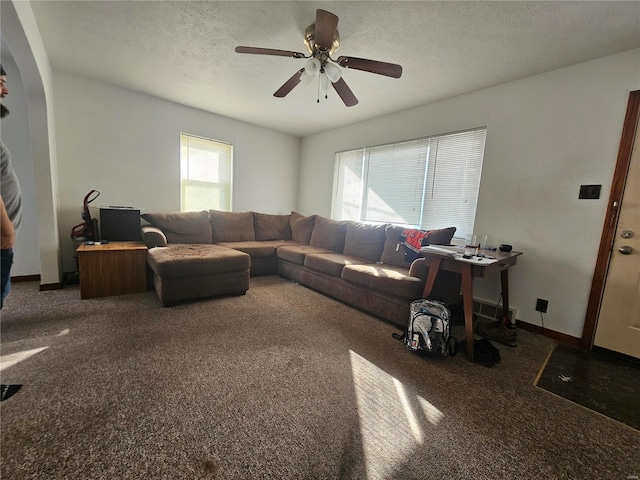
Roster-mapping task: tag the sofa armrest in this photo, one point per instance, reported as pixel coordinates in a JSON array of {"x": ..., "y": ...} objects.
[
  {"x": 153, "y": 237},
  {"x": 419, "y": 268},
  {"x": 447, "y": 285}
]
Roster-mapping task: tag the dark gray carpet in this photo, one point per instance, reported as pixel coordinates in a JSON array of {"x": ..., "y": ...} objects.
[
  {"x": 280, "y": 383},
  {"x": 596, "y": 381}
]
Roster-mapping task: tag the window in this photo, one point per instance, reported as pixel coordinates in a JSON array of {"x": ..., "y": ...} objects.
[
  {"x": 427, "y": 183},
  {"x": 205, "y": 174}
]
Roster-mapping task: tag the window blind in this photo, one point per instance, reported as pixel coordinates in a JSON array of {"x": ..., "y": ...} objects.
[
  {"x": 454, "y": 171},
  {"x": 349, "y": 181},
  {"x": 395, "y": 182},
  {"x": 429, "y": 183}
]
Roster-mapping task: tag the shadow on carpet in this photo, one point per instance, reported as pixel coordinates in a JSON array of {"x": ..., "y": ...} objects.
[{"x": 594, "y": 380}]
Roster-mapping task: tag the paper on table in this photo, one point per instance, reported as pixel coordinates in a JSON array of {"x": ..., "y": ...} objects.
[
  {"x": 457, "y": 252},
  {"x": 449, "y": 250}
]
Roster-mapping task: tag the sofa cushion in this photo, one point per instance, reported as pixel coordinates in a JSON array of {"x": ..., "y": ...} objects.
[
  {"x": 387, "y": 279},
  {"x": 365, "y": 241},
  {"x": 255, "y": 249},
  {"x": 189, "y": 260},
  {"x": 331, "y": 263},
  {"x": 296, "y": 253},
  {"x": 232, "y": 226},
  {"x": 393, "y": 251},
  {"x": 329, "y": 233},
  {"x": 279, "y": 243},
  {"x": 182, "y": 227},
  {"x": 301, "y": 227},
  {"x": 271, "y": 227},
  {"x": 441, "y": 236}
]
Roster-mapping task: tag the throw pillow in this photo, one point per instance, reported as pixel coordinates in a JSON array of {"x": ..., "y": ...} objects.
[{"x": 441, "y": 236}]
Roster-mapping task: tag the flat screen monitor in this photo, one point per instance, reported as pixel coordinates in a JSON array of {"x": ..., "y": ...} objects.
[{"x": 120, "y": 224}]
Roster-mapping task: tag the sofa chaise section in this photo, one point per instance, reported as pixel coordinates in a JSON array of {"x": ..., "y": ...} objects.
[
  {"x": 190, "y": 271},
  {"x": 360, "y": 264}
]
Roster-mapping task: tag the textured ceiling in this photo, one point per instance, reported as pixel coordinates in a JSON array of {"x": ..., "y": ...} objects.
[{"x": 184, "y": 51}]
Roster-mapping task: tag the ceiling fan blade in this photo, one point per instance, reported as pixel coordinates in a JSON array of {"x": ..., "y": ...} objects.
[
  {"x": 326, "y": 25},
  {"x": 289, "y": 85},
  {"x": 373, "y": 66},
  {"x": 269, "y": 51},
  {"x": 345, "y": 93}
]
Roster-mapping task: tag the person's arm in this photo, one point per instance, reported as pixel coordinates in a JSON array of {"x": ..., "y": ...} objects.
[{"x": 6, "y": 228}]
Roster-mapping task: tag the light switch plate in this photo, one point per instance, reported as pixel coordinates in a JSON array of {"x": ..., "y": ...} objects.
[{"x": 590, "y": 192}]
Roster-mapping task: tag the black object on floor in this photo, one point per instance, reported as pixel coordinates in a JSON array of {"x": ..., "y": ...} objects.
[
  {"x": 599, "y": 382},
  {"x": 484, "y": 353},
  {"x": 487, "y": 347},
  {"x": 7, "y": 391},
  {"x": 498, "y": 332}
]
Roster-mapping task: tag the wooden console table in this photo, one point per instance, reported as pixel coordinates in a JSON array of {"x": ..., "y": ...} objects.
[
  {"x": 448, "y": 260},
  {"x": 114, "y": 268}
]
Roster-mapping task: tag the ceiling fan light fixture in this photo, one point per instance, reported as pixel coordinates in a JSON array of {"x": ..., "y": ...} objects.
[
  {"x": 333, "y": 72},
  {"x": 312, "y": 66},
  {"x": 322, "y": 40},
  {"x": 308, "y": 79}
]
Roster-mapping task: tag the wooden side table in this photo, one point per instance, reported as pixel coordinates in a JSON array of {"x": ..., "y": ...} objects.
[
  {"x": 447, "y": 260},
  {"x": 114, "y": 268}
]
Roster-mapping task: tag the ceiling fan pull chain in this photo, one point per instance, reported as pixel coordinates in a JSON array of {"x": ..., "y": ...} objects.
[
  {"x": 324, "y": 81},
  {"x": 318, "y": 101}
]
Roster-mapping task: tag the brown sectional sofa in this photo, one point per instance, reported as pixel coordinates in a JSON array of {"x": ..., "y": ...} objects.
[{"x": 202, "y": 254}]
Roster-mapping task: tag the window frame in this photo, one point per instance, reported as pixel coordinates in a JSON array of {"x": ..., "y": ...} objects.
[{"x": 226, "y": 187}]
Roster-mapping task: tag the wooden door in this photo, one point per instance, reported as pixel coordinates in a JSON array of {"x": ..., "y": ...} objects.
[{"x": 618, "y": 324}]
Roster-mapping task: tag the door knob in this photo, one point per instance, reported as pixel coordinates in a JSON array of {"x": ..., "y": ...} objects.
[
  {"x": 626, "y": 234},
  {"x": 625, "y": 250}
]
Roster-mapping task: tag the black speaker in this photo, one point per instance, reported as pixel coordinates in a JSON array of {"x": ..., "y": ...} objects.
[{"x": 120, "y": 224}]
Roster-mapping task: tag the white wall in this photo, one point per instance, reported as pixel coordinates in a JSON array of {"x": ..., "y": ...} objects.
[
  {"x": 126, "y": 145},
  {"x": 546, "y": 135},
  {"x": 22, "y": 37}
]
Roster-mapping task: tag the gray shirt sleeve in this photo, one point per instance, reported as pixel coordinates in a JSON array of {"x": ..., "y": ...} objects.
[{"x": 10, "y": 188}]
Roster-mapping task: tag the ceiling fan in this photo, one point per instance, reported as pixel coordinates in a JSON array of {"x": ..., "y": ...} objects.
[{"x": 322, "y": 40}]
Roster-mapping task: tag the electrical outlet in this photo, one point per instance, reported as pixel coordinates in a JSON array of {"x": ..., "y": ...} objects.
[{"x": 542, "y": 305}]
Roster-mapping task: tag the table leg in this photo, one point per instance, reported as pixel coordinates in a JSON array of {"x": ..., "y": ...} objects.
[
  {"x": 434, "y": 266},
  {"x": 467, "y": 298},
  {"x": 504, "y": 280}
]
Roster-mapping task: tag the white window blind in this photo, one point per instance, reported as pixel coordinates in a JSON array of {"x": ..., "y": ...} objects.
[
  {"x": 349, "y": 182},
  {"x": 453, "y": 181},
  {"x": 395, "y": 182},
  {"x": 427, "y": 183},
  {"x": 205, "y": 173}
]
